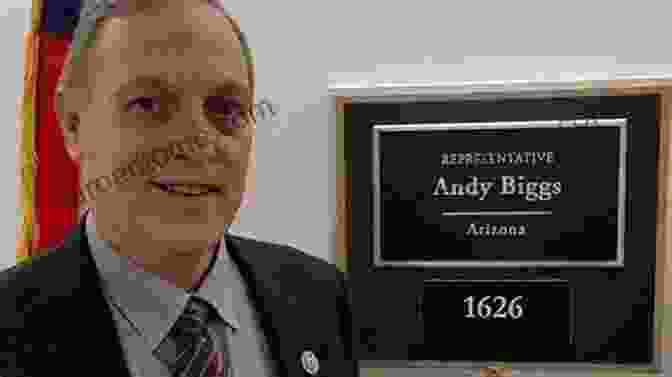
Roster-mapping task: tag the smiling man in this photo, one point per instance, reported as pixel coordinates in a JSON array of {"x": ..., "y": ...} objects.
[{"x": 151, "y": 283}]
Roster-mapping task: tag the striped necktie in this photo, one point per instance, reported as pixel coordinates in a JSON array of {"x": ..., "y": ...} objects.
[{"x": 191, "y": 349}]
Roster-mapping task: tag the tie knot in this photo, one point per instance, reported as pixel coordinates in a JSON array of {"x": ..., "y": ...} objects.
[{"x": 189, "y": 347}]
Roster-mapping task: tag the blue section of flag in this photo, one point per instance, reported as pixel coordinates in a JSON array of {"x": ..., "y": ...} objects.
[{"x": 60, "y": 16}]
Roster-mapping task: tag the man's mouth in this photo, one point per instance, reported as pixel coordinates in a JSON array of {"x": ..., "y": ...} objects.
[{"x": 184, "y": 189}]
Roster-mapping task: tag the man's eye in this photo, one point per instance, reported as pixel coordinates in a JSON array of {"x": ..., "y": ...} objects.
[
  {"x": 143, "y": 104},
  {"x": 227, "y": 109}
]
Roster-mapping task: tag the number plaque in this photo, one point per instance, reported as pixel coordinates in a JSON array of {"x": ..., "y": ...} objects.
[{"x": 498, "y": 320}]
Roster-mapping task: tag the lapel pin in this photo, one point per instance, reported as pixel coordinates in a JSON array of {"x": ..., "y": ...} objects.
[{"x": 309, "y": 362}]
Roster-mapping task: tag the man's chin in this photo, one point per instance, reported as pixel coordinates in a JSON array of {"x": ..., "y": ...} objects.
[{"x": 185, "y": 229}]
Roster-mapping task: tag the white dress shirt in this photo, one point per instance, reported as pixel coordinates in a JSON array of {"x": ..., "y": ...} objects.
[{"x": 145, "y": 307}]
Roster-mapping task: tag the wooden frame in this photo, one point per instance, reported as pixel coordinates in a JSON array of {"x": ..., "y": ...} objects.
[{"x": 344, "y": 95}]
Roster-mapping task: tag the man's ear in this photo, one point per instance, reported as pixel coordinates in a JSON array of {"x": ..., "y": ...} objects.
[{"x": 69, "y": 122}]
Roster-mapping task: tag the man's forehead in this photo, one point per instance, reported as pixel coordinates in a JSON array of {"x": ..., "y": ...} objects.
[
  {"x": 220, "y": 35},
  {"x": 169, "y": 53},
  {"x": 131, "y": 37},
  {"x": 177, "y": 26},
  {"x": 174, "y": 68}
]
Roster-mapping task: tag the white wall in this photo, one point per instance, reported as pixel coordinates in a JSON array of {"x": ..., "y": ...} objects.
[
  {"x": 302, "y": 47},
  {"x": 14, "y": 23}
]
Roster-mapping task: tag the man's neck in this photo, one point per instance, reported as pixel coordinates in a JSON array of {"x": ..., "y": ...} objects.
[{"x": 184, "y": 271}]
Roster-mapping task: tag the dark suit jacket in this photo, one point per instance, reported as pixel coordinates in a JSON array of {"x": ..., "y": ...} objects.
[{"x": 55, "y": 321}]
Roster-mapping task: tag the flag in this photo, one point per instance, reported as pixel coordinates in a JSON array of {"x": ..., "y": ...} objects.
[{"x": 48, "y": 179}]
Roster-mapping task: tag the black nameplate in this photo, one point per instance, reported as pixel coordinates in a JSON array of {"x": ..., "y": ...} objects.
[
  {"x": 500, "y": 193},
  {"x": 398, "y": 238},
  {"x": 503, "y": 321}
]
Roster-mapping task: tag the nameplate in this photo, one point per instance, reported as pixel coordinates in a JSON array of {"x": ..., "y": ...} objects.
[{"x": 531, "y": 193}]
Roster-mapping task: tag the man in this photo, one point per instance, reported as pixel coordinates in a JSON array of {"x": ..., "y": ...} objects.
[{"x": 140, "y": 288}]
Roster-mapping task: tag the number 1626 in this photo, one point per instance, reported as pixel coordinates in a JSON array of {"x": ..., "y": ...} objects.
[{"x": 494, "y": 307}]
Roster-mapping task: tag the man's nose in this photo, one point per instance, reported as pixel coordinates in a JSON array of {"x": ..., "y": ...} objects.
[{"x": 201, "y": 136}]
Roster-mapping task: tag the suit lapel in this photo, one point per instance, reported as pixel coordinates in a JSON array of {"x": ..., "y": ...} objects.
[{"x": 279, "y": 320}]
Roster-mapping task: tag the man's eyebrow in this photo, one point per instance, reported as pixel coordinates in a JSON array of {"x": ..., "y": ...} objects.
[{"x": 229, "y": 86}]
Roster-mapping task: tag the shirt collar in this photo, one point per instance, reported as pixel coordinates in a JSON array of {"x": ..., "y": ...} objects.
[{"x": 150, "y": 303}]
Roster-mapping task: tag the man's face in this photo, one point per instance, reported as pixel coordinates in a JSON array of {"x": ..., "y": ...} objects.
[{"x": 160, "y": 77}]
